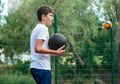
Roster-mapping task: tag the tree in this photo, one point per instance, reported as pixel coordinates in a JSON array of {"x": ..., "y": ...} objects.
[
  {"x": 116, "y": 12},
  {"x": 15, "y": 34},
  {"x": 1, "y": 11},
  {"x": 112, "y": 9},
  {"x": 76, "y": 17},
  {"x": 76, "y": 20}
]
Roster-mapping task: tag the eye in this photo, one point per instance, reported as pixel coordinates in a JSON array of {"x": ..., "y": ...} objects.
[{"x": 51, "y": 15}]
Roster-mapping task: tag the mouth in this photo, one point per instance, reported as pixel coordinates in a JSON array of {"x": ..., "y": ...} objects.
[{"x": 52, "y": 21}]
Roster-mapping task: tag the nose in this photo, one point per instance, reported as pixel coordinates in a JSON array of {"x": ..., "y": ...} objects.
[{"x": 52, "y": 19}]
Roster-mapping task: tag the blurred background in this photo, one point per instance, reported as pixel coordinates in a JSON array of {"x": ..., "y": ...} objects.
[{"x": 92, "y": 55}]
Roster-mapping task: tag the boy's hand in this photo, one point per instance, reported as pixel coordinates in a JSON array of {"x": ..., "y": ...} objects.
[{"x": 60, "y": 51}]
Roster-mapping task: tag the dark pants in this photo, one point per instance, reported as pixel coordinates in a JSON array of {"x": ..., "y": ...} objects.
[{"x": 41, "y": 76}]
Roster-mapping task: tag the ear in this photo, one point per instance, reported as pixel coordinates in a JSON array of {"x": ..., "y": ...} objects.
[{"x": 43, "y": 16}]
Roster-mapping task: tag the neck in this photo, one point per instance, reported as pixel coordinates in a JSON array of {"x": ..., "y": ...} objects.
[{"x": 42, "y": 22}]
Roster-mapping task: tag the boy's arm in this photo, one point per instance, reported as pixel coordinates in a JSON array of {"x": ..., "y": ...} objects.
[{"x": 40, "y": 49}]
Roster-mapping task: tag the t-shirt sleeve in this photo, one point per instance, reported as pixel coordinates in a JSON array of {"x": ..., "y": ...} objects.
[{"x": 42, "y": 33}]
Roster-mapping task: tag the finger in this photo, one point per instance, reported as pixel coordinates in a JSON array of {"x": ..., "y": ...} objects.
[
  {"x": 61, "y": 55},
  {"x": 61, "y": 47}
]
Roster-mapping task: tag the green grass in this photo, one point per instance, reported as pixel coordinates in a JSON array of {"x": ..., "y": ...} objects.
[{"x": 16, "y": 79}]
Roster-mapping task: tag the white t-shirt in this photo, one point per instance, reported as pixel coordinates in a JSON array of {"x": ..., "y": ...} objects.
[{"x": 39, "y": 61}]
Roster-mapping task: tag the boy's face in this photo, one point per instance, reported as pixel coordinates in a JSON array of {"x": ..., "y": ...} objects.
[{"x": 48, "y": 19}]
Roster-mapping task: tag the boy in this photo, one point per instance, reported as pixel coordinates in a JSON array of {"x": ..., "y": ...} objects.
[{"x": 40, "y": 53}]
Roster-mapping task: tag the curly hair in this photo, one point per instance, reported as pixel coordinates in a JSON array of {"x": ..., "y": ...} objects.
[{"x": 44, "y": 9}]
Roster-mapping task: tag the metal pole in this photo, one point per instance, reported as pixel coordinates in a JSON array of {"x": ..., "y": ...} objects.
[
  {"x": 112, "y": 52},
  {"x": 56, "y": 58}
]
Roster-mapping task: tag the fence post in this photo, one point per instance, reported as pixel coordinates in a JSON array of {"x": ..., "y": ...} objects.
[
  {"x": 112, "y": 52},
  {"x": 56, "y": 58}
]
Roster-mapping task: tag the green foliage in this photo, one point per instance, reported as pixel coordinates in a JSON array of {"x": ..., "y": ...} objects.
[
  {"x": 76, "y": 20},
  {"x": 103, "y": 43},
  {"x": 22, "y": 68},
  {"x": 5, "y": 69},
  {"x": 75, "y": 17},
  {"x": 66, "y": 71},
  {"x": 1, "y": 11},
  {"x": 14, "y": 74},
  {"x": 67, "y": 66},
  {"x": 16, "y": 79},
  {"x": 16, "y": 33}
]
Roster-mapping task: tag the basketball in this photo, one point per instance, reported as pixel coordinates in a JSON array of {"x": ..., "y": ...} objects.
[
  {"x": 107, "y": 25},
  {"x": 56, "y": 41}
]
